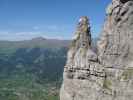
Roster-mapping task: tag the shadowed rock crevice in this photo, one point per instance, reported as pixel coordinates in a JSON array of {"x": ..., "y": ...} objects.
[{"x": 124, "y": 1}]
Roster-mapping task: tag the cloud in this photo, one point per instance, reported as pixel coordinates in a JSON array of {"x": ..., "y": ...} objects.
[
  {"x": 47, "y": 27},
  {"x": 28, "y": 35},
  {"x": 47, "y": 31},
  {"x": 18, "y": 35}
]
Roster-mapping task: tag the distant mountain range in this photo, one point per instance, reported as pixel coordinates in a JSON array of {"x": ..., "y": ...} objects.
[
  {"x": 37, "y": 53},
  {"x": 39, "y": 42}
]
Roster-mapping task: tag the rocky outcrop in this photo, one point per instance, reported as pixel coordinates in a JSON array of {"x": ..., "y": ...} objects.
[
  {"x": 108, "y": 73},
  {"x": 82, "y": 73},
  {"x": 116, "y": 50}
]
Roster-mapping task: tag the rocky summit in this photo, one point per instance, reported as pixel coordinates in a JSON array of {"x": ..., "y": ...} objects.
[{"x": 105, "y": 74}]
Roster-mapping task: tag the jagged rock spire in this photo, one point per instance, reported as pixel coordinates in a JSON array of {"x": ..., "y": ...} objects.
[
  {"x": 108, "y": 74},
  {"x": 81, "y": 64},
  {"x": 81, "y": 39},
  {"x": 82, "y": 33}
]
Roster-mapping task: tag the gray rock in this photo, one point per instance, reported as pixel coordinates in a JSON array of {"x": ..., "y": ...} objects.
[
  {"x": 82, "y": 69},
  {"x": 108, "y": 73}
]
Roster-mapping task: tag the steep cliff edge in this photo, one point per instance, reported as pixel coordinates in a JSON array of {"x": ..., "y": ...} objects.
[{"x": 108, "y": 73}]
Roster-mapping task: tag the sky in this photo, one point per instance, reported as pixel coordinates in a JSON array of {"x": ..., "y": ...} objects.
[{"x": 26, "y": 19}]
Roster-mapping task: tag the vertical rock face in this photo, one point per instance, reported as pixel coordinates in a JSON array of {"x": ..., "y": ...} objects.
[
  {"x": 117, "y": 35},
  {"x": 108, "y": 73},
  {"x": 116, "y": 49},
  {"x": 82, "y": 73}
]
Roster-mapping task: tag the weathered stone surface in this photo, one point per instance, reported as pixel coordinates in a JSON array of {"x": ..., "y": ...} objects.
[
  {"x": 108, "y": 73},
  {"x": 83, "y": 75}
]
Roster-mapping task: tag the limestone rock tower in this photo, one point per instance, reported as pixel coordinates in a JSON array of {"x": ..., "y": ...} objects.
[
  {"x": 108, "y": 73},
  {"x": 80, "y": 72}
]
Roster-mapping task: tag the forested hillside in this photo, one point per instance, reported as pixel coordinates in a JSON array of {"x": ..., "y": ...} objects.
[{"x": 31, "y": 69}]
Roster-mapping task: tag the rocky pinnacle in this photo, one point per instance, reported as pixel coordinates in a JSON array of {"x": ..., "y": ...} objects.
[{"x": 108, "y": 73}]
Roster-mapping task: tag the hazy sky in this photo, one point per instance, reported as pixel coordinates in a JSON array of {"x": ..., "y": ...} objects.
[{"x": 25, "y": 19}]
